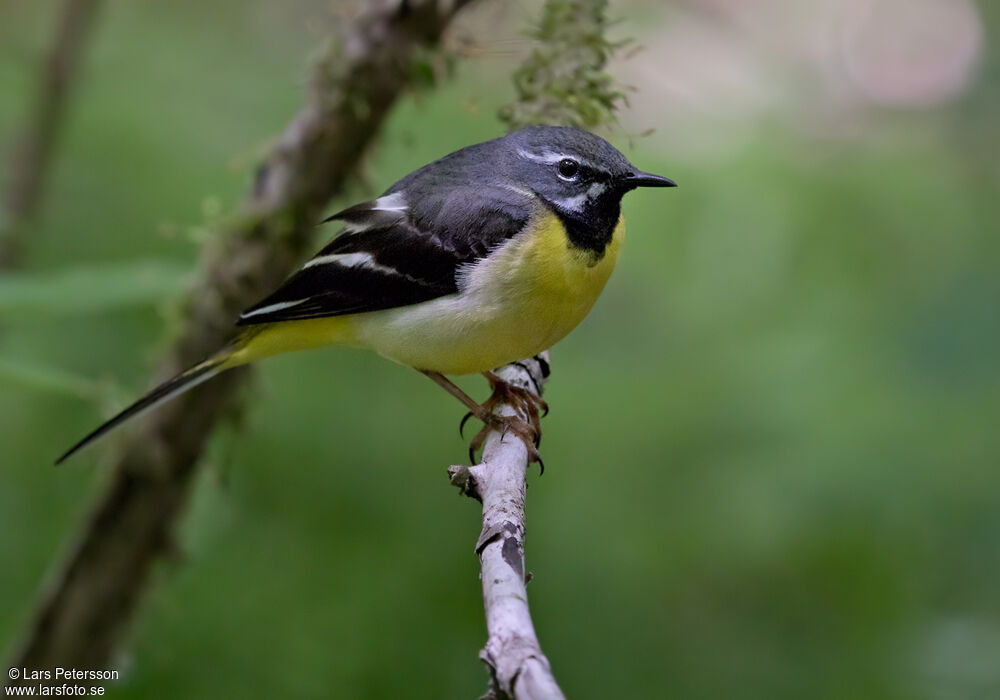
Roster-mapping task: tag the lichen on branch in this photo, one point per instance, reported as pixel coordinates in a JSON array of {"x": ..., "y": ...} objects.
[{"x": 563, "y": 81}]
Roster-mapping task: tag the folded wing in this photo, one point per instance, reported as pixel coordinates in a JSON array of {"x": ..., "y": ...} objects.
[{"x": 391, "y": 254}]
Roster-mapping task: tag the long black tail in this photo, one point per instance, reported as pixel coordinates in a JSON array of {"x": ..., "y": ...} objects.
[{"x": 164, "y": 392}]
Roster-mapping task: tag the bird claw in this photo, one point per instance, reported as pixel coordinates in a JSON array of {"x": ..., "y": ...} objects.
[
  {"x": 525, "y": 426},
  {"x": 521, "y": 429},
  {"x": 461, "y": 425}
]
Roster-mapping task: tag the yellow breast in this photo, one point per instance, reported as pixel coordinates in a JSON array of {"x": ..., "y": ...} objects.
[
  {"x": 522, "y": 299},
  {"x": 571, "y": 276}
]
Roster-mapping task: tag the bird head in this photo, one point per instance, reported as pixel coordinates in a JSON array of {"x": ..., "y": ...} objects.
[
  {"x": 572, "y": 168},
  {"x": 577, "y": 174}
]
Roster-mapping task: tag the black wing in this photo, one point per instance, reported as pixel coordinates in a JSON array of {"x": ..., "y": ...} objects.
[{"x": 393, "y": 254}]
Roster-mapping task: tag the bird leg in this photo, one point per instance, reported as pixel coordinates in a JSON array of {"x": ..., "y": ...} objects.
[
  {"x": 525, "y": 425},
  {"x": 474, "y": 408}
]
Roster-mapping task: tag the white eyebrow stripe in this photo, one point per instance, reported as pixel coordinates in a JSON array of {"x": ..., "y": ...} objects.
[
  {"x": 393, "y": 202},
  {"x": 270, "y": 308},
  {"x": 551, "y": 158},
  {"x": 548, "y": 157}
]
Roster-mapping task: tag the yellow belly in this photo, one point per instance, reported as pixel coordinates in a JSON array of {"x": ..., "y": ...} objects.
[{"x": 522, "y": 299}]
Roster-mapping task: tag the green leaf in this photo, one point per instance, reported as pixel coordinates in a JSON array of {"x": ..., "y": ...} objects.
[
  {"x": 43, "y": 378},
  {"x": 91, "y": 288}
]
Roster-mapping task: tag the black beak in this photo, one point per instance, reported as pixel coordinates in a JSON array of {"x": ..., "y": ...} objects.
[{"x": 641, "y": 179}]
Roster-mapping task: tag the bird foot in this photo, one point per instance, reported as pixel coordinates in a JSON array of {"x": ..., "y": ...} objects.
[{"x": 526, "y": 425}]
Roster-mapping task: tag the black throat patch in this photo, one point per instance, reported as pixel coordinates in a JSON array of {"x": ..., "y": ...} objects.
[{"x": 593, "y": 228}]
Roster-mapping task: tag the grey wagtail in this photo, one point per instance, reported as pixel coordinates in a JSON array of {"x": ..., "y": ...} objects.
[{"x": 484, "y": 257}]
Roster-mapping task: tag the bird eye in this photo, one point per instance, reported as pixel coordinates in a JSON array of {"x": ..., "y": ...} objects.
[{"x": 568, "y": 169}]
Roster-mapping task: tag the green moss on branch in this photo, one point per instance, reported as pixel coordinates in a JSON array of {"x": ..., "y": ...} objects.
[{"x": 564, "y": 80}]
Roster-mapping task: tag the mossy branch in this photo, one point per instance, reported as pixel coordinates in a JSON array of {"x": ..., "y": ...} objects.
[
  {"x": 563, "y": 81},
  {"x": 95, "y": 592}
]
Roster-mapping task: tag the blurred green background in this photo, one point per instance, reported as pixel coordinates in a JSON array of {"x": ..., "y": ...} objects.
[{"x": 772, "y": 457}]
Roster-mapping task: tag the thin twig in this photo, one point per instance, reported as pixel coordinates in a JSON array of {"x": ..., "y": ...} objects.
[
  {"x": 94, "y": 593},
  {"x": 562, "y": 81},
  {"x": 32, "y": 155},
  {"x": 518, "y": 668}
]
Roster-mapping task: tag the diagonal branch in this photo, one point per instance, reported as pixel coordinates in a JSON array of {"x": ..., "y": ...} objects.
[{"x": 93, "y": 595}]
